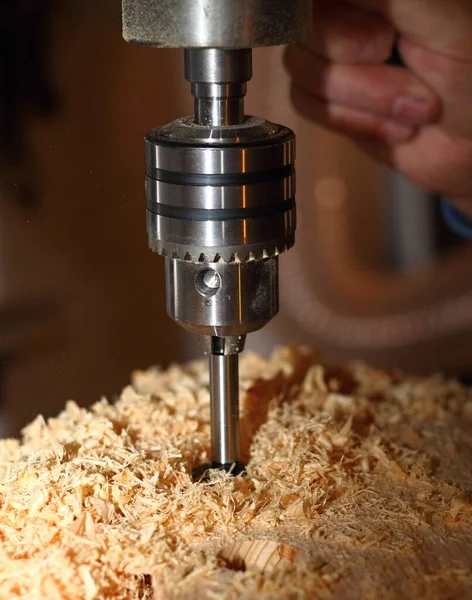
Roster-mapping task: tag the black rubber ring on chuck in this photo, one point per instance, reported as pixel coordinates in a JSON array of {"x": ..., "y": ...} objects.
[
  {"x": 224, "y": 180},
  {"x": 219, "y": 214}
]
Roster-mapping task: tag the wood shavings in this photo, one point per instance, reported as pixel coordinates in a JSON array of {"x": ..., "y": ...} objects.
[{"x": 359, "y": 486}]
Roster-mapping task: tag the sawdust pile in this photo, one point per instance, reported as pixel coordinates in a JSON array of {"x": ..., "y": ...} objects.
[{"x": 359, "y": 486}]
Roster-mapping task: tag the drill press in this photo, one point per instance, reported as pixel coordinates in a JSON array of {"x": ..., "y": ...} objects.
[{"x": 220, "y": 185}]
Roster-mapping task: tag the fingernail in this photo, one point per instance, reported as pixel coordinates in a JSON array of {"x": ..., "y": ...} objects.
[
  {"x": 418, "y": 110},
  {"x": 396, "y": 132}
]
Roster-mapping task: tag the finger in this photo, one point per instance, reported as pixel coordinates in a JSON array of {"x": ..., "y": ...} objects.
[
  {"x": 432, "y": 158},
  {"x": 443, "y": 26},
  {"x": 389, "y": 92},
  {"x": 350, "y": 121},
  {"x": 429, "y": 156},
  {"x": 343, "y": 33},
  {"x": 452, "y": 80}
]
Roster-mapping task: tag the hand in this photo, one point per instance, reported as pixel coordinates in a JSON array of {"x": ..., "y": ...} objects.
[{"x": 417, "y": 120}]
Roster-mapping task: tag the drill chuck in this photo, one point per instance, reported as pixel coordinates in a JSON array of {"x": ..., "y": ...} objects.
[{"x": 220, "y": 202}]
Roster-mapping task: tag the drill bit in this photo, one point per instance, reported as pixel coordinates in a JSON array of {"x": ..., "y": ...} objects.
[{"x": 224, "y": 407}]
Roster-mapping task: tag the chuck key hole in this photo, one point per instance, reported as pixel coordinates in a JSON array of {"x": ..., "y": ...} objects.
[{"x": 207, "y": 282}]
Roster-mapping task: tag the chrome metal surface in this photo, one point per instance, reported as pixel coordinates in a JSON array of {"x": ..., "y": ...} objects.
[
  {"x": 242, "y": 239},
  {"x": 224, "y": 408},
  {"x": 215, "y": 23},
  {"x": 218, "y": 77},
  {"x": 247, "y": 296},
  {"x": 182, "y": 147},
  {"x": 217, "y": 65},
  {"x": 266, "y": 193},
  {"x": 230, "y": 344},
  {"x": 165, "y": 145},
  {"x": 218, "y": 105}
]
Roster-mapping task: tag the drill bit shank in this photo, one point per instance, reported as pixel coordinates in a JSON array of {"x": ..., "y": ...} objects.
[{"x": 224, "y": 407}]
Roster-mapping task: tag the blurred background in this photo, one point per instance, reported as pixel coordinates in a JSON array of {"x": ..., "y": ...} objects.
[{"x": 374, "y": 275}]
